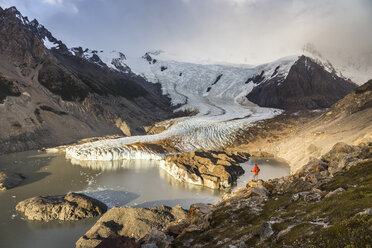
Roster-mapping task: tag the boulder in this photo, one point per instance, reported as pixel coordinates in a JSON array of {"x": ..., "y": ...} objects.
[
  {"x": 368, "y": 211},
  {"x": 297, "y": 196},
  {"x": 266, "y": 230},
  {"x": 314, "y": 177},
  {"x": 199, "y": 213},
  {"x": 72, "y": 206},
  {"x": 307, "y": 196},
  {"x": 257, "y": 188},
  {"x": 176, "y": 229},
  {"x": 213, "y": 169},
  {"x": 314, "y": 165},
  {"x": 337, "y": 151},
  {"x": 9, "y": 180},
  {"x": 297, "y": 185},
  {"x": 335, "y": 192},
  {"x": 269, "y": 186},
  {"x": 131, "y": 222},
  {"x": 158, "y": 238}
]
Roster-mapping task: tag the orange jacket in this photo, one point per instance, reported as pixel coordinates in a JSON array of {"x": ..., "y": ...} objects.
[{"x": 255, "y": 170}]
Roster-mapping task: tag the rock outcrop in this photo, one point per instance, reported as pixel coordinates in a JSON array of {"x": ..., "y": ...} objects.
[
  {"x": 213, "y": 169},
  {"x": 307, "y": 86},
  {"x": 284, "y": 212},
  {"x": 131, "y": 222},
  {"x": 9, "y": 180},
  {"x": 72, "y": 206},
  {"x": 310, "y": 206}
]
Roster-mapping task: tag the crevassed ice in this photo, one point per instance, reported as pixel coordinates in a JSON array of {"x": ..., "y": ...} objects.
[
  {"x": 223, "y": 109},
  {"x": 211, "y": 132}
]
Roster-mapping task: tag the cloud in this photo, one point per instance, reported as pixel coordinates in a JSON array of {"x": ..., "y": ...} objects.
[
  {"x": 238, "y": 31},
  {"x": 69, "y": 5},
  {"x": 55, "y": 2}
]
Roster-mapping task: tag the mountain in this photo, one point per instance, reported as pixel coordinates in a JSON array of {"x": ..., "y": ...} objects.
[
  {"x": 299, "y": 139},
  {"x": 308, "y": 85},
  {"x": 297, "y": 82},
  {"x": 50, "y": 95}
]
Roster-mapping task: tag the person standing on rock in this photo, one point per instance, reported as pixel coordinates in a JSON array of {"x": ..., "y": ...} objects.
[{"x": 256, "y": 170}]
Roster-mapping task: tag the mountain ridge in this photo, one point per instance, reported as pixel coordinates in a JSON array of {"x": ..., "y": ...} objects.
[
  {"x": 110, "y": 93},
  {"x": 63, "y": 98}
]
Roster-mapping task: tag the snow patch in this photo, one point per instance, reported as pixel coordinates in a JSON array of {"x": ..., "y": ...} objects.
[{"x": 48, "y": 44}]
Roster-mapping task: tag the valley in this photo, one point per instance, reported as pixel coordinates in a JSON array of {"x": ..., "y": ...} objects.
[{"x": 167, "y": 147}]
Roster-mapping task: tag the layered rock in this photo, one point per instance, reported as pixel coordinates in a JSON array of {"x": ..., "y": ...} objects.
[
  {"x": 214, "y": 169},
  {"x": 9, "y": 180},
  {"x": 131, "y": 222},
  {"x": 72, "y": 206}
]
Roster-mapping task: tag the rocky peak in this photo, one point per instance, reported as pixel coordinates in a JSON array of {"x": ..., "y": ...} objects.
[
  {"x": 18, "y": 42},
  {"x": 12, "y": 15},
  {"x": 149, "y": 56},
  {"x": 87, "y": 54},
  {"x": 310, "y": 84}
]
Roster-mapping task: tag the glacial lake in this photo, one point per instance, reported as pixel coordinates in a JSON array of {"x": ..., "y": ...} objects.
[{"x": 136, "y": 183}]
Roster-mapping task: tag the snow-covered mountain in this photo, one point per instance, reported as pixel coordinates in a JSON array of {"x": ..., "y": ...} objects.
[
  {"x": 219, "y": 93},
  {"x": 205, "y": 87},
  {"x": 51, "y": 96},
  {"x": 225, "y": 97}
]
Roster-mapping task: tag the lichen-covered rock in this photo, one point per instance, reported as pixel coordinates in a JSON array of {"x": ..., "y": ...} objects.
[
  {"x": 131, "y": 222},
  {"x": 266, "y": 230},
  {"x": 213, "y": 169},
  {"x": 9, "y": 180},
  {"x": 72, "y": 206},
  {"x": 335, "y": 192}
]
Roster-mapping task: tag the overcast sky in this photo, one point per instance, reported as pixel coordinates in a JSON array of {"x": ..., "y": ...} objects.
[{"x": 237, "y": 31}]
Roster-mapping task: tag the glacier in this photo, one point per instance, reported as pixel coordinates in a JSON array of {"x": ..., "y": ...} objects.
[{"x": 216, "y": 92}]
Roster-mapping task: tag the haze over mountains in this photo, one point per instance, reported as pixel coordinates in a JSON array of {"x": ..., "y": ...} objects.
[
  {"x": 61, "y": 94},
  {"x": 132, "y": 131}
]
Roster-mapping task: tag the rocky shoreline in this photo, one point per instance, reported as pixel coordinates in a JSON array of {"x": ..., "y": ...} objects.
[{"x": 264, "y": 214}]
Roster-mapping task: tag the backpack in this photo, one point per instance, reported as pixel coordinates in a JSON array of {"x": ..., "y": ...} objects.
[{"x": 258, "y": 169}]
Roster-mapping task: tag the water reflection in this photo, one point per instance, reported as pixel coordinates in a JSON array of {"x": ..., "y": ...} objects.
[
  {"x": 186, "y": 186},
  {"x": 137, "y": 165},
  {"x": 113, "y": 165}
]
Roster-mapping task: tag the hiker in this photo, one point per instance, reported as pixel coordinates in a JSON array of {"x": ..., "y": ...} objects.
[{"x": 256, "y": 170}]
